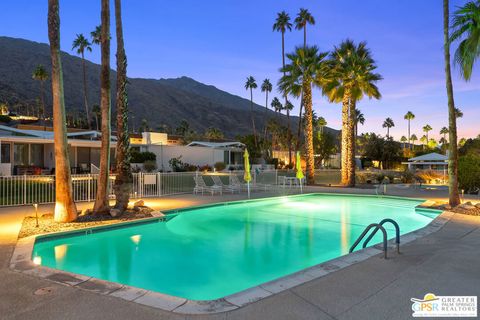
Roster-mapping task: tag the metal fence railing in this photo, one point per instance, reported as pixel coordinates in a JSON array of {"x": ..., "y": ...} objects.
[{"x": 29, "y": 189}]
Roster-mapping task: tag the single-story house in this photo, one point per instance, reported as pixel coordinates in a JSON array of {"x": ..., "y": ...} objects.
[{"x": 430, "y": 161}]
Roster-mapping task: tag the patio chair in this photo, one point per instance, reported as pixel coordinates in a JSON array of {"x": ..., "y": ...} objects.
[
  {"x": 201, "y": 186},
  {"x": 228, "y": 187},
  {"x": 234, "y": 181}
]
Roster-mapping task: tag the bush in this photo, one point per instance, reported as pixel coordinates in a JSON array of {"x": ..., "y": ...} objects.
[
  {"x": 408, "y": 177},
  {"x": 205, "y": 168},
  {"x": 430, "y": 176},
  {"x": 469, "y": 172},
  {"x": 219, "y": 166},
  {"x": 176, "y": 164},
  {"x": 142, "y": 157},
  {"x": 150, "y": 165},
  {"x": 5, "y": 118}
]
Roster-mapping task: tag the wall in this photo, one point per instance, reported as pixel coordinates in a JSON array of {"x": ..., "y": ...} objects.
[{"x": 192, "y": 155}]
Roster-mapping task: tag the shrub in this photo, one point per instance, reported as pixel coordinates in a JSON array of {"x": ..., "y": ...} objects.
[
  {"x": 430, "y": 176},
  {"x": 176, "y": 164},
  {"x": 5, "y": 118},
  {"x": 150, "y": 165},
  {"x": 205, "y": 168},
  {"x": 142, "y": 157},
  {"x": 469, "y": 172},
  {"x": 219, "y": 166},
  {"x": 380, "y": 177},
  {"x": 408, "y": 177}
]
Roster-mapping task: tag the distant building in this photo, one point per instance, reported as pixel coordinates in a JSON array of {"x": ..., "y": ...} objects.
[{"x": 430, "y": 161}]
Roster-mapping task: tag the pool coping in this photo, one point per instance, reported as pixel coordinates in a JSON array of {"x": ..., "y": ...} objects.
[{"x": 21, "y": 261}]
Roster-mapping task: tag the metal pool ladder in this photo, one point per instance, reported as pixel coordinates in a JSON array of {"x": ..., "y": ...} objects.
[{"x": 379, "y": 226}]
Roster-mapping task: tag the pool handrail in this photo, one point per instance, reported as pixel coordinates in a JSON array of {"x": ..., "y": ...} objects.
[
  {"x": 367, "y": 229},
  {"x": 381, "y": 223}
]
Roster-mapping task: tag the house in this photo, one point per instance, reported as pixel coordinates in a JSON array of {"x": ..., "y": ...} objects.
[{"x": 430, "y": 161}]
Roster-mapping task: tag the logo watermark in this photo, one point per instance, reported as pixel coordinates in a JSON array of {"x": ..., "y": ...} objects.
[{"x": 444, "y": 306}]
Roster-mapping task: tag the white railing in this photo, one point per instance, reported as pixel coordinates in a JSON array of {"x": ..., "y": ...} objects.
[{"x": 27, "y": 190}]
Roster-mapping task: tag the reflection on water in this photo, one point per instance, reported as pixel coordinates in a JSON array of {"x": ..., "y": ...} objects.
[{"x": 344, "y": 229}]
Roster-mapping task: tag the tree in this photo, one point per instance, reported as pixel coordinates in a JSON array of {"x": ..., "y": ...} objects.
[
  {"x": 325, "y": 146},
  {"x": 81, "y": 44},
  {"x": 380, "y": 149},
  {"x": 426, "y": 128},
  {"x": 388, "y": 123},
  {"x": 424, "y": 141},
  {"x": 96, "y": 35},
  {"x": 276, "y": 105},
  {"x": 403, "y": 139},
  {"x": 251, "y": 84},
  {"x": 96, "y": 113},
  {"x": 444, "y": 132},
  {"x": 301, "y": 21},
  {"x": 466, "y": 31},
  {"x": 454, "y": 196},
  {"x": 350, "y": 76},
  {"x": 124, "y": 179},
  {"x": 267, "y": 88},
  {"x": 304, "y": 69},
  {"x": 213, "y": 134},
  {"x": 458, "y": 113},
  {"x": 432, "y": 143},
  {"x": 359, "y": 118},
  {"x": 413, "y": 138},
  {"x": 41, "y": 75},
  {"x": 101, "y": 205},
  {"x": 409, "y": 116},
  {"x": 321, "y": 123},
  {"x": 183, "y": 128},
  {"x": 65, "y": 208},
  {"x": 282, "y": 24}
]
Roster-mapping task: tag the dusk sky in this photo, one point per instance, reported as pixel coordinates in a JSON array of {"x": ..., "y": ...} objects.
[{"x": 223, "y": 42}]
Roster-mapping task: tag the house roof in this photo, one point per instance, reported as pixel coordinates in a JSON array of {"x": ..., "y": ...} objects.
[
  {"x": 430, "y": 157},
  {"x": 231, "y": 144},
  {"x": 49, "y": 134}
]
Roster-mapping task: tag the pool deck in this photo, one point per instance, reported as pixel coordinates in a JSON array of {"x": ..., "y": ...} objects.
[{"x": 445, "y": 263}]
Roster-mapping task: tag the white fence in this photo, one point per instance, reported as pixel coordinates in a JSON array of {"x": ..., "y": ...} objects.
[{"x": 26, "y": 190}]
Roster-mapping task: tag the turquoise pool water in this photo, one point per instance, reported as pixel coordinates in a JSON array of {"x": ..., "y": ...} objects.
[{"x": 210, "y": 252}]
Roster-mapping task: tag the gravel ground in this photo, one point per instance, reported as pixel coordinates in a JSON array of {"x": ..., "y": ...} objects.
[{"x": 48, "y": 225}]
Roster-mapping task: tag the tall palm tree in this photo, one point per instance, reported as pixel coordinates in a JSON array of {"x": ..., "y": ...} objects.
[
  {"x": 466, "y": 31},
  {"x": 101, "y": 205},
  {"x": 359, "y": 118},
  {"x": 124, "y": 179},
  {"x": 276, "y": 105},
  {"x": 351, "y": 76},
  {"x": 413, "y": 138},
  {"x": 305, "y": 69},
  {"x": 388, "y": 123},
  {"x": 301, "y": 21},
  {"x": 96, "y": 35},
  {"x": 458, "y": 113},
  {"x": 444, "y": 132},
  {"x": 282, "y": 24},
  {"x": 424, "y": 141},
  {"x": 96, "y": 113},
  {"x": 409, "y": 116},
  {"x": 454, "y": 196},
  {"x": 426, "y": 128},
  {"x": 65, "y": 208},
  {"x": 267, "y": 88},
  {"x": 251, "y": 84},
  {"x": 403, "y": 139},
  {"x": 81, "y": 44},
  {"x": 41, "y": 75},
  {"x": 322, "y": 123}
]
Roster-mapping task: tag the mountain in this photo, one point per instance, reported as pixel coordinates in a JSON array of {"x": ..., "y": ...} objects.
[{"x": 161, "y": 102}]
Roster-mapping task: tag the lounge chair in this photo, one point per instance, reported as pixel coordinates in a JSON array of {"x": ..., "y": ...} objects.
[
  {"x": 228, "y": 187},
  {"x": 201, "y": 186},
  {"x": 234, "y": 181}
]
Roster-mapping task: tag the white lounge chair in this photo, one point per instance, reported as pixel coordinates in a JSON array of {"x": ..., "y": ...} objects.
[
  {"x": 228, "y": 187},
  {"x": 201, "y": 186},
  {"x": 234, "y": 181}
]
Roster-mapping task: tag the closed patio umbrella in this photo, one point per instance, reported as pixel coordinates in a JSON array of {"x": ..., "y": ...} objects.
[
  {"x": 299, "y": 175},
  {"x": 247, "y": 176}
]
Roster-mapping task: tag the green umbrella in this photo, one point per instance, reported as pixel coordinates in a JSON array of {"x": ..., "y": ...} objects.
[
  {"x": 299, "y": 173},
  {"x": 247, "y": 176}
]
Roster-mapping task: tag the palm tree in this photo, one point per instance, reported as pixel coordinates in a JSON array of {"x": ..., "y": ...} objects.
[
  {"x": 444, "y": 132},
  {"x": 65, "y": 208},
  {"x": 458, "y": 113},
  {"x": 466, "y": 29},
  {"x": 322, "y": 123},
  {"x": 101, "y": 205},
  {"x": 426, "y": 128},
  {"x": 359, "y": 118},
  {"x": 266, "y": 87},
  {"x": 424, "y": 141},
  {"x": 454, "y": 197},
  {"x": 413, "y": 138},
  {"x": 304, "y": 69},
  {"x": 213, "y": 133},
  {"x": 303, "y": 18},
  {"x": 96, "y": 35},
  {"x": 282, "y": 24},
  {"x": 250, "y": 84},
  {"x": 276, "y": 106},
  {"x": 388, "y": 123},
  {"x": 81, "y": 44},
  {"x": 351, "y": 76},
  {"x": 124, "y": 179},
  {"x": 409, "y": 116},
  {"x": 96, "y": 114},
  {"x": 41, "y": 75},
  {"x": 403, "y": 139}
]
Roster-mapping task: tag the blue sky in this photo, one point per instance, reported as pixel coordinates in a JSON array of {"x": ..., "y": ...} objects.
[{"x": 222, "y": 42}]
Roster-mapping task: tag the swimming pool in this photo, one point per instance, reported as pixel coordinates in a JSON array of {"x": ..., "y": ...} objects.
[{"x": 210, "y": 252}]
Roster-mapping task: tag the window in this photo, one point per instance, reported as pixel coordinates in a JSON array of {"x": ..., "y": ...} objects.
[
  {"x": 36, "y": 155},
  {"x": 5, "y": 153},
  {"x": 20, "y": 154}
]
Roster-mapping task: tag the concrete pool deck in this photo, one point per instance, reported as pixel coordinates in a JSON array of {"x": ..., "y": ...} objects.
[{"x": 445, "y": 263}]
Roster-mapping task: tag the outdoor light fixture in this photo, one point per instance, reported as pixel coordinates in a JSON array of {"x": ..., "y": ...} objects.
[{"x": 35, "y": 205}]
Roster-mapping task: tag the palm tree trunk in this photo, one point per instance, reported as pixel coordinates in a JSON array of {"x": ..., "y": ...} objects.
[
  {"x": 409, "y": 134},
  {"x": 101, "y": 205},
  {"x": 289, "y": 133},
  {"x": 265, "y": 117},
  {"x": 85, "y": 95},
  {"x": 454, "y": 197},
  {"x": 253, "y": 119},
  {"x": 124, "y": 180},
  {"x": 344, "y": 145},
  {"x": 65, "y": 208},
  {"x": 307, "y": 98},
  {"x": 42, "y": 88},
  {"x": 351, "y": 145}
]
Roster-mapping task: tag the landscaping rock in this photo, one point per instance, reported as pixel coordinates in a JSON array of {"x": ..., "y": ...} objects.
[
  {"x": 477, "y": 205},
  {"x": 157, "y": 214},
  {"x": 138, "y": 203},
  {"x": 115, "y": 212}
]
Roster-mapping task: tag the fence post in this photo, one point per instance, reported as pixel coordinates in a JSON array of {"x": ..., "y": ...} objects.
[
  {"x": 24, "y": 189},
  {"x": 159, "y": 180},
  {"x": 89, "y": 189}
]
